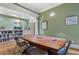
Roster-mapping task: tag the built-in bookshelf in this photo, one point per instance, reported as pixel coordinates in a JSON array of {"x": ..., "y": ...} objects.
[{"x": 7, "y": 35}]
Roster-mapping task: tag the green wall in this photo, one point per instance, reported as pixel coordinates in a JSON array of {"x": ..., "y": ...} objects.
[
  {"x": 8, "y": 22},
  {"x": 56, "y": 24}
]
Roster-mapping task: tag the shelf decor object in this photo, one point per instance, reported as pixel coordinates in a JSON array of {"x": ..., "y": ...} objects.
[
  {"x": 44, "y": 25},
  {"x": 71, "y": 20}
]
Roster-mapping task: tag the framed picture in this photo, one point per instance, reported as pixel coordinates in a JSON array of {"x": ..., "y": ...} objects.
[
  {"x": 71, "y": 20},
  {"x": 44, "y": 25}
]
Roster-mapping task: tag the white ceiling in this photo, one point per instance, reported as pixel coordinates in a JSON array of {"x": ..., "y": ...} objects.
[
  {"x": 16, "y": 11},
  {"x": 19, "y": 11},
  {"x": 40, "y": 7}
]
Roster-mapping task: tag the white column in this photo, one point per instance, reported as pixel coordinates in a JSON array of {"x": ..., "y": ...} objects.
[
  {"x": 36, "y": 27},
  {"x": 35, "y": 21}
]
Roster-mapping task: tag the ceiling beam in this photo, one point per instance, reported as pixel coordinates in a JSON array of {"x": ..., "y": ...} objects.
[{"x": 25, "y": 8}]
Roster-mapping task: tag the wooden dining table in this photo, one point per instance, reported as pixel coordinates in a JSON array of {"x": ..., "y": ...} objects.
[{"x": 45, "y": 42}]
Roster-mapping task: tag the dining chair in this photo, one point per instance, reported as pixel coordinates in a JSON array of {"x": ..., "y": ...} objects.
[
  {"x": 64, "y": 50},
  {"x": 23, "y": 44}
]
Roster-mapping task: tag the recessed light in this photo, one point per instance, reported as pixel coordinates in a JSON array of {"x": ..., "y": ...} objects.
[
  {"x": 30, "y": 21},
  {"x": 52, "y": 14},
  {"x": 18, "y": 21}
]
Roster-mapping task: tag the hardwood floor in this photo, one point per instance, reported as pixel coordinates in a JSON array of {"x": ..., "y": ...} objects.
[{"x": 73, "y": 52}]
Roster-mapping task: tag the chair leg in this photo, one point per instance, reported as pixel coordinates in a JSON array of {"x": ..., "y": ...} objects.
[{"x": 26, "y": 52}]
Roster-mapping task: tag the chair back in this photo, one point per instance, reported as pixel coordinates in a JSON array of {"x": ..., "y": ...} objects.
[
  {"x": 63, "y": 51},
  {"x": 67, "y": 47}
]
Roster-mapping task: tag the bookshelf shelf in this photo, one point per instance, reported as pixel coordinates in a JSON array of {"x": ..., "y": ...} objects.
[{"x": 7, "y": 35}]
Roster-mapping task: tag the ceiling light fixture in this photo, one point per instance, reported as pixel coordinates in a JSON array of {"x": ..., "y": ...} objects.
[
  {"x": 52, "y": 14},
  {"x": 18, "y": 21}
]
